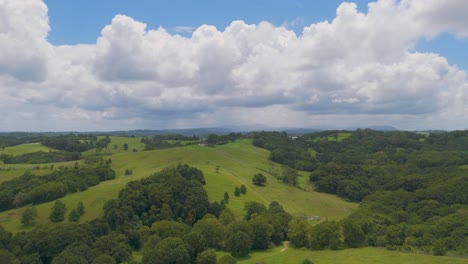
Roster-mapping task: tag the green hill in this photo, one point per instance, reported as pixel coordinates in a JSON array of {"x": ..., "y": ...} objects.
[{"x": 237, "y": 162}]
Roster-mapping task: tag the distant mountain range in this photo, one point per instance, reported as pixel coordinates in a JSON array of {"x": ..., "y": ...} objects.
[{"x": 199, "y": 131}]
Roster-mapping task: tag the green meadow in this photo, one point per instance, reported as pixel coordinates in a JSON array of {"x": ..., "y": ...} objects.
[
  {"x": 24, "y": 148},
  {"x": 348, "y": 256}
]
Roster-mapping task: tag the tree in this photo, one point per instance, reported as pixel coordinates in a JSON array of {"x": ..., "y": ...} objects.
[
  {"x": 212, "y": 230},
  {"x": 207, "y": 257},
  {"x": 80, "y": 208},
  {"x": 236, "y": 191},
  {"x": 259, "y": 179},
  {"x": 195, "y": 244},
  {"x": 165, "y": 229},
  {"x": 29, "y": 216},
  {"x": 239, "y": 244},
  {"x": 226, "y": 198},
  {"x": 253, "y": 209},
  {"x": 57, "y": 213},
  {"x": 262, "y": 233},
  {"x": 243, "y": 189},
  {"x": 227, "y": 216},
  {"x": 104, "y": 259},
  {"x": 125, "y": 146},
  {"x": 73, "y": 216},
  {"x": 289, "y": 176},
  {"x": 114, "y": 245},
  {"x": 354, "y": 237},
  {"x": 299, "y": 230},
  {"x": 326, "y": 235},
  {"x": 169, "y": 251}
]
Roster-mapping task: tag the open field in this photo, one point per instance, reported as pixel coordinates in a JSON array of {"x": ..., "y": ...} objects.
[
  {"x": 116, "y": 145},
  {"x": 11, "y": 171},
  {"x": 24, "y": 148},
  {"x": 237, "y": 162},
  {"x": 348, "y": 256}
]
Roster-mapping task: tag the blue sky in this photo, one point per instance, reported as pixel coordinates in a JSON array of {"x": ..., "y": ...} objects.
[
  {"x": 121, "y": 64},
  {"x": 68, "y": 26}
]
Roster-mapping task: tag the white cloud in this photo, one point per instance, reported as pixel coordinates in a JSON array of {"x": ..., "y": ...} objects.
[
  {"x": 359, "y": 67},
  {"x": 23, "y": 28}
]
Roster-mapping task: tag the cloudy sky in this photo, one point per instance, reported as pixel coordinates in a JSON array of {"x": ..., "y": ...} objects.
[{"x": 117, "y": 64}]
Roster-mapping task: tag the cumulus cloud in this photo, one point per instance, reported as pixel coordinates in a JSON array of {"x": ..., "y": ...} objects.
[
  {"x": 23, "y": 29},
  {"x": 358, "y": 66}
]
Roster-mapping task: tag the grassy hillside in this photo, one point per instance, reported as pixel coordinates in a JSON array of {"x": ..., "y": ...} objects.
[
  {"x": 116, "y": 145},
  {"x": 237, "y": 162},
  {"x": 24, "y": 148},
  {"x": 349, "y": 256},
  {"x": 11, "y": 171}
]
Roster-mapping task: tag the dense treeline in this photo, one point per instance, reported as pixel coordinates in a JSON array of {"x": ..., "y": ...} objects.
[
  {"x": 75, "y": 143},
  {"x": 215, "y": 139},
  {"x": 166, "y": 141},
  {"x": 39, "y": 189},
  {"x": 40, "y": 157},
  {"x": 285, "y": 150},
  {"x": 69, "y": 142},
  {"x": 414, "y": 193}
]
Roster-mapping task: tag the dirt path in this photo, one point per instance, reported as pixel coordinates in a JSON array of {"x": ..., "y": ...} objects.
[{"x": 286, "y": 246}]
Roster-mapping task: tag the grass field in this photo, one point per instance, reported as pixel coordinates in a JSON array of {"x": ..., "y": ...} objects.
[
  {"x": 24, "y": 148},
  {"x": 348, "y": 256},
  {"x": 116, "y": 145},
  {"x": 11, "y": 171},
  {"x": 237, "y": 162}
]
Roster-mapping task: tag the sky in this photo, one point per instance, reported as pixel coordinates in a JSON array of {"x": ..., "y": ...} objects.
[{"x": 119, "y": 64}]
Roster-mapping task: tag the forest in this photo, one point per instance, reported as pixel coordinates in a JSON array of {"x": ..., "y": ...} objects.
[{"x": 412, "y": 188}]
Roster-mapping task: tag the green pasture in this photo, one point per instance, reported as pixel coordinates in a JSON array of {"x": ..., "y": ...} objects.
[
  {"x": 117, "y": 146},
  {"x": 24, "y": 148},
  {"x": 348, "y": 256},
  {"x": 237, "y": 163},
  {"x": 11, "y": 171}
]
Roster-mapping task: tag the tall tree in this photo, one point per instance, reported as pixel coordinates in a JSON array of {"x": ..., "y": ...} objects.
[
  {"x": 57, "y": 213},
  {"x": 29, "y": 216}
]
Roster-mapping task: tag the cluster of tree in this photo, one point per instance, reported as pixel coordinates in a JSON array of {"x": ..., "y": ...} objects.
[
  {"x": 166, "y": 141},
  {"x": 57, "y": 212},
  {"x": 240, "y": 190},
  {"x": 39, "y": 189},
  {"x": 413, "y": 191},
  {"x": 412, "y": 221},
  {"x": 75, "y": 143},
  {"x": 402, "y": 148},
  {"x": 285, "y": 150},
  {"x": 215, "y": 139},
  {"x": 398, "y": 220},
  {"x": 40, "y": 157}
]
